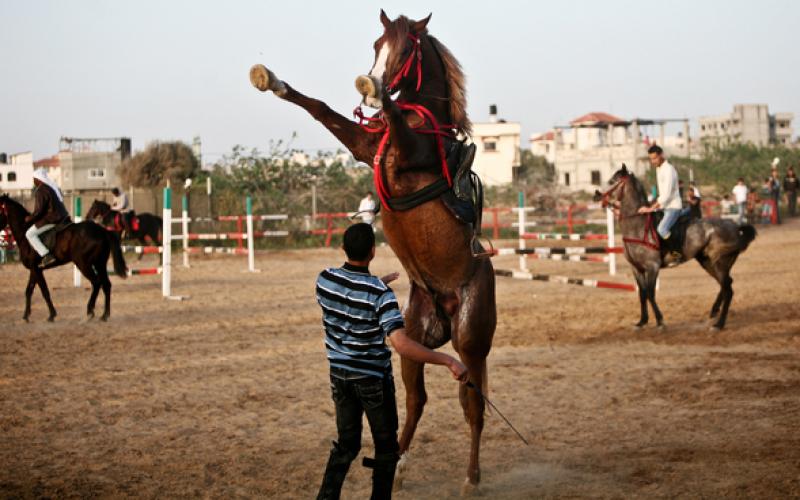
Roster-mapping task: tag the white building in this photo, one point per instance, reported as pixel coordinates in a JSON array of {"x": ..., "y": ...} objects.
[
  {"x": 748, "y": 123},
  {"x": 497, "y": 154},
  {"x": 16, "y": 172},
  {"x": 594, "y": 146}
]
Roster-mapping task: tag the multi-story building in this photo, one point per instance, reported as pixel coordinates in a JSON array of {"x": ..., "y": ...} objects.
[
  {"x": 588, "y": 151},
  {"x": 16, "y": 173},
  {"x": 748, "y": 123},
  {"x": 91, "y": 164},
  {"x": 497, "y": 155}
]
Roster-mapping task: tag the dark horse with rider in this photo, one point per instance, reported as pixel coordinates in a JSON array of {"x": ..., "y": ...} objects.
[
  {"x": 120, "y": 218},
  {"x": 48, "y": 238}
]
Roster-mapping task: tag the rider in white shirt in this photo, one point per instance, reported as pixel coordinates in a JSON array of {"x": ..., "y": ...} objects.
[
  {"x": 119, "y": 202},
  {"x": 669, "y": 198}
]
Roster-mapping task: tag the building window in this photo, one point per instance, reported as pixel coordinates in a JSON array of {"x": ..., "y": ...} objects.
[
  {"x": 595, "y": 177},
  {"x": 1, "y": 177},
  {"x": 566, "y": 179},
  {"x": 489, "y": 146},
  {"x": 12, "y": 176},
  {"x": 97, "y": 173}
]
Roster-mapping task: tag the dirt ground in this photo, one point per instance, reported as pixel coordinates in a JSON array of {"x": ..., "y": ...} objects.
[{"x": 226, "y": 394}]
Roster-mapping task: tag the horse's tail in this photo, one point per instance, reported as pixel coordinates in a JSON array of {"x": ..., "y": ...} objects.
[
  {"x": 747, "y": 233},
  {"x": 120, "y": 267}
]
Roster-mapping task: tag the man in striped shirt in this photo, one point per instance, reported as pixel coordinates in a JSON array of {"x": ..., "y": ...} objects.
[{"x": 359, "y": 312}]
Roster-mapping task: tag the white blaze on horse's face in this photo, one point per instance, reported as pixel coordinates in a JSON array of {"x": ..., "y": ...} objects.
[{"x": 377, "y": 72}]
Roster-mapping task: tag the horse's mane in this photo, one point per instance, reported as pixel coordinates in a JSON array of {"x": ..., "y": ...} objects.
[
  {"x": 638, "y": 188},
  {"x": 396, "y": 35},
  {"x": 4, "y": 198}
]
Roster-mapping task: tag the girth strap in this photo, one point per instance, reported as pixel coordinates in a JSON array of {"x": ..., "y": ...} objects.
[{"x": 428, "y": 193}]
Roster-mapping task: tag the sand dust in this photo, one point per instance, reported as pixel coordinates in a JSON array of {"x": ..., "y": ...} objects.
[{"x": 226, "y": 395}]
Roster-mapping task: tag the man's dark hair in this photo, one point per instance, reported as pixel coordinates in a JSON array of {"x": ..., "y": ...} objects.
[
  {"x": 740, "y": 179},
  {"x": 655, "y": 148},
  {"x": 358, "y": 241},
  {"x": 369, "y": 193},
  {"x": 115, "y": 191}
]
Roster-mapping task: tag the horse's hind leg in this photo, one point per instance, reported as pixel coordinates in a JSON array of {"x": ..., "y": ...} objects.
[
  {"x": 102, "y": 275},
  {"x": 720, "y": 270},
  {"x": 420, "y": 315},
  {"x": 473, "y": 329},
  {"x": 642, "y": 284},
  {"x": 28, "y": 294},
  {"x": 91, "y": 275},
  {"x": 651, "y": 277},
  {"x": 46, "y": 294}
]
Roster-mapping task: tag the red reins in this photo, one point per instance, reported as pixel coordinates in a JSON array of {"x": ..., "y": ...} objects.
[
  {"x": 650, "y": 239},
  {"x": 380, "y": 125}
]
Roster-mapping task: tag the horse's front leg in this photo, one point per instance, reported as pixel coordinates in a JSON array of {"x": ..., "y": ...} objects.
[
  {"x": 28, "y": 294},
  {"x": 39, "y": 276},
  {"x": 349, "y": 133},
  {"x": 413, "y": 149}
]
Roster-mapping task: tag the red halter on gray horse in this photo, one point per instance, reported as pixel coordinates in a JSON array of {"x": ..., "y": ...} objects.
[{"x": 429, "y": 195}]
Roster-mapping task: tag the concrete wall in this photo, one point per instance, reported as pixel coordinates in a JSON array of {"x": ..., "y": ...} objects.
[
  {"x": 496, "y": 166},
  {"x": 22, "y": 166},
  {"x": 579, "y": 165},
  {"x": 79, "y": 170}
]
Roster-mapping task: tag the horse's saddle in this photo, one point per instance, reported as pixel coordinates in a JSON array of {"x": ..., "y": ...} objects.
[
  {"x": 48, "y": 238},
  {"x": 676, "y": 238}
]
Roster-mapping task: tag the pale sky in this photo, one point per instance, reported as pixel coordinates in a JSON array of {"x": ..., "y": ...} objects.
[{"x": 174, "y": 69}]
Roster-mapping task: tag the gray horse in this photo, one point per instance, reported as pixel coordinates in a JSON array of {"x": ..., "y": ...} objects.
[{"x": 714, "y": 243}]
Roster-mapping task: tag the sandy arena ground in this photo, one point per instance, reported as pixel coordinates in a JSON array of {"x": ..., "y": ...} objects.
[{"x": 226, "y": 394}]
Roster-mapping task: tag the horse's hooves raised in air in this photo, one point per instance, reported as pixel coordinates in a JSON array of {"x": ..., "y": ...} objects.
[
  {"x": 264, "y": 79},
  {"x": 469, "y": 489},
  {"x": 367, "y": 86}
]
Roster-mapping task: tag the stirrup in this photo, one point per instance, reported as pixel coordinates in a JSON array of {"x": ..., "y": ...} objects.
[{"x": 475, "y": 241}]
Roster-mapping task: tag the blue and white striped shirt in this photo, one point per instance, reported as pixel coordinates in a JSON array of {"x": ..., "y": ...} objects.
[{"x": 358, "y": 312}]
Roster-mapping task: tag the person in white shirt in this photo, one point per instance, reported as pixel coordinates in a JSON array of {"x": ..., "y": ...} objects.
[
  {"x": 669, "y": 199},
  {"x": 740, "y": 194},
  {"x": 119, "y": 202},
  {"x": 366, "y": 209}
]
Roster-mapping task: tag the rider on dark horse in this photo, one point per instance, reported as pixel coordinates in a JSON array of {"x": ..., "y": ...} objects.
[
  {"x": 120, "y": 203},
  {"x": 47, "y": 213},
  {"x": 669, "y": 201}
]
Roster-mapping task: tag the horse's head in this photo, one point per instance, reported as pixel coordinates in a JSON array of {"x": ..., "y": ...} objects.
[
  {"x": 410, "y": 61},
  {"x": 617, "y": 183},
  {"x": 98, "y": 209},
  {"x": 398, "y": 59}
]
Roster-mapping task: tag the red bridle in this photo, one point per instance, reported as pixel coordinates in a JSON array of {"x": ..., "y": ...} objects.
[
  {"x": 619, "y": 185},
  {"x": 650, "y": 238},
  {"x": 379, "y": 125},
  {"x": 415, "y": 55}
]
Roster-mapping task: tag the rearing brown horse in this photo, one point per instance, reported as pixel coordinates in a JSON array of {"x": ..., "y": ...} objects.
[{"x": 452, "y": 294}]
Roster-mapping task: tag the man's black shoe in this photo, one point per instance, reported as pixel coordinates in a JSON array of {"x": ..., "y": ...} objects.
[{"x": 47, "y": 260}]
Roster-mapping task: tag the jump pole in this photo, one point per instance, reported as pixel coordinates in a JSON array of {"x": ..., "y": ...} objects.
[
  {"x": 185, "y": 228},
  {"x": 612, "y": 258},
  {"x": 166, "y": 239},
  {"x": 521, "y": 223},
  {"x": 76, "y": 212},
  {"x": 251, "y": 254}
]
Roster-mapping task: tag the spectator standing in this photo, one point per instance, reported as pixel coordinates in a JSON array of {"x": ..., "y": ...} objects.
[
  {"x": 775, "y": 193},
  {"x": 366, "y": 209},
  {"x": 740, "y": 197},
  {"x": 791, "y": 185}
]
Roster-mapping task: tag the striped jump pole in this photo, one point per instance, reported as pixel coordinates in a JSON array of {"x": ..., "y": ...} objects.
[
  {"x": 142, "y": 272},
  {"x": 143, "y": 250},
  {"x": 559, "y": 250},
  {"x": 76, "y": 215},
  {"x": 251, "y": 255},
  {"x": 523, "y": 275},
  {"x": 185, "y": 228},
  {"x": 166, "y": 238},
  {"x": 523, "y": 264}
]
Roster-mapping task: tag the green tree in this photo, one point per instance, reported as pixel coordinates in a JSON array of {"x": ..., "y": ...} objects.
[{"x": 158, "y": 163}]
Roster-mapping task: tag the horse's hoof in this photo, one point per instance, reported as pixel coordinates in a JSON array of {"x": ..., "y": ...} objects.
[
  {"x": 51, "y": 319},
  {"x": 638, "y": 326},
  {"x": 26, "y": 319},
  {"x": 469, "y": 489},
  {"x": 104, "y": 317},
  {"x": 661, "y": 327},
  {"x": 400, "y": 470},
  {"x": 367, "y": 86},
  {"x": 264, "y": 79},
  {"x": 714, "y": 328}
]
